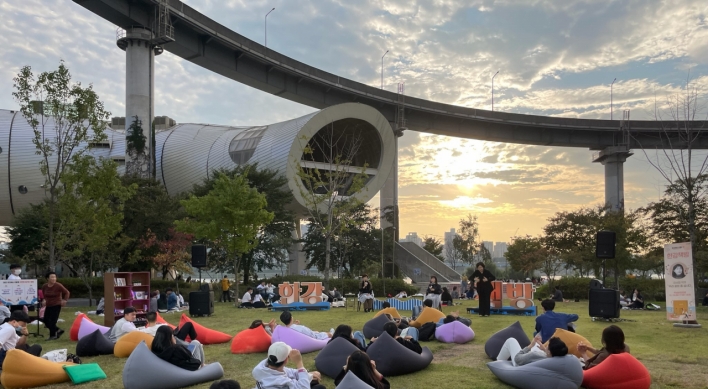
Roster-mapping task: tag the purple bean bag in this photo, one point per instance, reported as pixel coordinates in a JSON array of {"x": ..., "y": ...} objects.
[
  {"x": 454, "y": 332},
  {"x": 87, "y": 327},
  {"x": 331, "y": 359},
  {"x": 496, "y": 341},
  {"x": 297, "y": 340}
]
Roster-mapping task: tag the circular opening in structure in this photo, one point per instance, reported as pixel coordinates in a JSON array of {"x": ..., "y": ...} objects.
[
  {"x": 342, "y": 156},
  {"x": 22, "y": 189}
]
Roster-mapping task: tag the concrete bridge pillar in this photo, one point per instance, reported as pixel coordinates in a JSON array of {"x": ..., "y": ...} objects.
[
  {"x": 388, "y": 196},
  {"x": 613, "y": 159}
]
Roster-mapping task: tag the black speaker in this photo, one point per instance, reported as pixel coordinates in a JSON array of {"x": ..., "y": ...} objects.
[
  {"x": 604, "y": 303},
  {"x": 204, "y": 288},
  {"x": 596, "y": 284},
  {"x": 199, "y": 255},
  {"x": 201, "y": 303},
  {"x": 605, "y": 247}
]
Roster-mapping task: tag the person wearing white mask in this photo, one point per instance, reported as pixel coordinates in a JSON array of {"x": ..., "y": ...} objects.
[{"x": 15, "y": 271}]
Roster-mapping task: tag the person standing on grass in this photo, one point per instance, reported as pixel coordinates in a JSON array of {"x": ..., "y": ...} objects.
[
  {"x": 483, "y": 284},
  {"x": 56, "y": 296},
  {"x": 225, "y": 285}
]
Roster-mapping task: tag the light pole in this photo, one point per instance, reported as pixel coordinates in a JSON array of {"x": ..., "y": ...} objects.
[
  {"x": 495, "y": 74},
  {"x": 382, "y": 57},
  {"x": 393, "y": 254},
  {"x": 383, "y": 278},
  {"x": 266, "y": 27},
  {"x": 611, "y": 87}
]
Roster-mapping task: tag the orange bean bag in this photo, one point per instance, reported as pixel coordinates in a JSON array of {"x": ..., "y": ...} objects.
[
  {"x": 74, "y": 331},
  {"x": 618, "y": 371},
  {"x": 205, "y": 335},
  {"x": 571, "y": 340},
  {"x": 128, "y": 342},
  {"x": 23, "y": 370},
  {"x": 250, "y": 341},
  {"x": 429, "y": 315},
  {"x": 391, "y": 311},
  {"x": 160, "y": 320}
]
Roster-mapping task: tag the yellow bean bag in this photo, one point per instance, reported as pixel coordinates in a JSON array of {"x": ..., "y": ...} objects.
[
  {"x": 128, "y": 342},
  {"x": 429, "y": 315},
  {"x": 391, "y": 311},
  {"x": 571, "y": 340},
  {"x": 23, "y": 370}
]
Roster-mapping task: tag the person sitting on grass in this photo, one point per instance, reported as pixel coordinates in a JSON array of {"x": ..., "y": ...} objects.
[
  {"x": 402, "y": 295},
  {"x": 536, "y": 351},
  {"x": 344, "y": 331},
  {"x": 124, "y": 325},
  {"x": 258, "y": 301},
  {"x": 365, "y": 369},
  {"x": 271, "y": 373},
  {"x": 14, "y": 333},
  {"x": 557, "y": 295},
  {"x": 269, "y": 327},
  {"x": 637, "y": 300},
  {"x": 409, "y": 338},
  {"x": 612, "y": 342},
  {"x": 417, "y": 310},
  {"x": 705, "y": 300},
  {"x": 446, "y": 297},
  {"x": 172, "y": 300},
  {"x": 547, "y": 323},
  {"x": 287, "y": 318},
  {"x": 4, "y": 312},
  {"x": 247, "y": 299},
  {"x": 225, "y": 384},
  {"x": 166, "y": 348}
]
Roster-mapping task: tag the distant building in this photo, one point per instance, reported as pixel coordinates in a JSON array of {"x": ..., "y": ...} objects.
[
  {"x": 499, "y": 250},
  {"x": 489, "y": 246},
  {"x": 449, "y": 236},
  {"x": 413, "y": 237}
]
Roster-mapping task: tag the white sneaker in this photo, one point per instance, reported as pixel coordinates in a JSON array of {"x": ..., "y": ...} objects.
[{"x": 331, "y": 331}]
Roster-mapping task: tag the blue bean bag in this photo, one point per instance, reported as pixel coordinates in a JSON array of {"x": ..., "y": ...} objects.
[
  {"x": 454, "y": 332},
  {"x": 330, "y": 360},
  {"x": 550, "y": 373},
  {"x": 94, "y": 344},
  {"x": 393, "y": 358},
  {"x": 297, "y": 340},
  {"x": 496, "y": 341},
  {"x": 351, "y": 381},
  {"x": 374, "y": 327}
]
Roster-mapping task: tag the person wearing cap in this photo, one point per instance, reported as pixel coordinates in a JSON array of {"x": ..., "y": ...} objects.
[
  {"x": 271, "y": 373},
  {"x": 124, "y": 325},
  {"x": 15, "y": 271},
  {"x": 287, "y": 318},
  {"x": 13, "y": 335}
]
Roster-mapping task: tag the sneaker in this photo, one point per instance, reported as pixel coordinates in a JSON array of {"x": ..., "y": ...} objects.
[
  {"x": 59, "y": 332},
  {"x": 52, "y": 338},
  {"x": 331, "y": 331}
]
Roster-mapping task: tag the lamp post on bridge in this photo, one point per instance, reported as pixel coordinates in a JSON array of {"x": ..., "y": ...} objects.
[
  {"x": 495, "y": 74},
  {"x": 382, "y": 57},
  {"x": 611, "y": 90},
  {"x": 266, "y": 27}
]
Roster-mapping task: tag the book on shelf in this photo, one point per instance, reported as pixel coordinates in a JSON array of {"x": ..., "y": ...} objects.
[{"x": 119, "y": 281}]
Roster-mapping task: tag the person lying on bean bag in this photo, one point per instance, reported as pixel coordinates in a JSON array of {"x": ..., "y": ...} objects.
[
  {"x": 365, "y": 369},
  {"x": 613, "y": 342},
  {"x": 344, "y": 331},
  {"x": 409, "y": 340},
  {"x": 166, "y": 348}
]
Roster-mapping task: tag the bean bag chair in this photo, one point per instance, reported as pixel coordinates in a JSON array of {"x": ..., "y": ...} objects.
[
  {"x": 391, "y": 311},
  {"x": 351, "y": 381},
  {"x": 250, "y": 341},
  {"x": 87, "y": 327},
  {"x": 23, "y": 370},
  {"x": 330, "y": 360},
  {"x": 161, "y": 320},
  {"x": 74, "y": 331},
  {"x": 297, "y": 340},
  {"x": 618, "y": 371},
  {"x": 374, "y": 327},
  {"x": 429, "y": 315},
  {"x": 144, "y": 370},
  {"x": 205, "y": 335},
  {"x": 393, "y": 358},
  {"x": 571, "y": 340},
  {"x": 496, "y": 341},
  {"x": 94, "y": 344},
  {"x": 454, "y": 332},
  {"x": 550, "y": 373},
  {"x": 127, "y": 343}
]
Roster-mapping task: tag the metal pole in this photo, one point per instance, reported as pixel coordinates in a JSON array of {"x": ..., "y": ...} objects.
[
  {"x": 495, "y": 74},
  {"x": 382, "y": 57},
  {"x": 611, "y": 87},
  {"x": 393, "y": 255},
  {"x": 383, "y": 278},
  {"x": 266, "y": 27}
]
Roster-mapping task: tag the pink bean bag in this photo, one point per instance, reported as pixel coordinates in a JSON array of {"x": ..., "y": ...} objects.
[
  {"x": 74, "y": 331},
  {"x": 618, "y": 371},
  {"x": 454, "y": 332},
  {"x": 87, "y": 327},
  {"x": 297, "y": 340},
  {"x": 205, "y": 335}
]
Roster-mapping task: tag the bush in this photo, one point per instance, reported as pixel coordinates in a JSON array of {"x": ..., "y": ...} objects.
[
  {"x": 348, "y": 285},
  {"x": 578, "y": 288}
]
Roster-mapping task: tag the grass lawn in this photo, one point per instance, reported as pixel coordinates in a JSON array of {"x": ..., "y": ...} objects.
[{"x": 676, "y": 357}]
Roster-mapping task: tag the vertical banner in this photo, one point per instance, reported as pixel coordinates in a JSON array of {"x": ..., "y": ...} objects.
[{"x": 678, "y": 275}]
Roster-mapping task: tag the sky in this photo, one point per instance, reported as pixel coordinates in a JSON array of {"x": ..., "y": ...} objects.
[{"x": 555, "y": 58}]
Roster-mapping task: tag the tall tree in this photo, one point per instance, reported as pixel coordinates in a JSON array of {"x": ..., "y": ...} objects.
[
  {"x": 524, "y": 254},
  {"x": 433, "y": 246},
  {"x": 66, "y": 119},
  {"x": 171, "y": 254},
  {"x": 29, "y": 236},
  {"x": 467, "y": 240},
  {"x": 452, "y": 254}
]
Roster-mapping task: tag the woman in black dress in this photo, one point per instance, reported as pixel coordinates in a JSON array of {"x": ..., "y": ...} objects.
[{"x": 482, "y": 279}]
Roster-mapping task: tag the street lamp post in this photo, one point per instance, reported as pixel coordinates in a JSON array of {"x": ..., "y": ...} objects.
[
  {"x": 611, "y": 87},
  {"x": 495, "y": 74},
  {"x": 383, "y": 278},
  {"x": 382, "y": 57},
  {"x": 266, "y": 26},
  {"x": 393, "y": 254}
]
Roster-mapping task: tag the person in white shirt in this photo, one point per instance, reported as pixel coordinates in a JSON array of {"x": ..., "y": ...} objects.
[
  {"x": 287, "y": 318},
  {"x": 180, "y": 334},
  {"x": 258, "y": 301},
  {"x": 15, "y": 271},
  {"x": 4, "y": 312},
  {"x": 271, "y": 373},
  {"x": 247, "y": 299},
  {"x": 124, "y": 325},
  {"x": 13, "y": 335}
]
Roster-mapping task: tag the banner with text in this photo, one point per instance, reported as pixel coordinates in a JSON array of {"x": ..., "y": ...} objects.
[
  {"x": 678, "y": 275},
  {"x": 18, "y": 292}
]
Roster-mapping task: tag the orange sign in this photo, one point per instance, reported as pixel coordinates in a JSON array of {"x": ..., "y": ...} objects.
[
  {"x": 520, "y": 294},
  {"x": 291, "y": 293}
]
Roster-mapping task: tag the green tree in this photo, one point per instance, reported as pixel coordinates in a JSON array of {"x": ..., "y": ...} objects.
[
  {"x": 572, "y": 234},
  {"x": 524, "y": 254},
  {"x": 433, "y": 246},
  {"x": 231, "y": 216},
  {"x": 467, "y": 240},
  {"x": 66, "y": 119},
  {"x": 29, "y": 235}
]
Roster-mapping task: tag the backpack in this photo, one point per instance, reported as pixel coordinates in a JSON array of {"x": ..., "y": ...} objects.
[{"x": 427, "y": 332}]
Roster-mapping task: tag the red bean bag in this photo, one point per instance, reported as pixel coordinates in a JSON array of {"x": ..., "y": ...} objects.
[
  {"x": 250, "y": 341},
  {"x": 160, "y": 320},
  {"x": 205, "y": 335},
  {"x": 74, "y": 331},
  {"x": 618, "y": 371}
]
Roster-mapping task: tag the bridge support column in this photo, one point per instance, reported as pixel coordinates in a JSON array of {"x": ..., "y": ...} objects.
[
  {"x": 296, "y": 256},
  {"x": 613, "y": 159},
  {"x": 388, "y": 196}
]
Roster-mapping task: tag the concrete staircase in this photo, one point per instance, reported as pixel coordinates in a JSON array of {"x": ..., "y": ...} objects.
[{"x": 418, "y": 264}]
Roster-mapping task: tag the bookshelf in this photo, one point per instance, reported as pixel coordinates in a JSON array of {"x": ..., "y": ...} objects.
[{"x": 122, "y": 290}]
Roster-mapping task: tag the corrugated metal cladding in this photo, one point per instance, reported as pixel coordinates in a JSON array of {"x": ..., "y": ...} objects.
[
  {"x": 24, "y": 164},
  {"x": 5, "y": 207}
]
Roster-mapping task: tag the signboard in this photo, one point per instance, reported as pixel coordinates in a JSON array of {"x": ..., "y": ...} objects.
[
  {"x": 292, "y": 293},
  {"x": 520, "y": 293},
  {"x": 18, "y": 292},
  {"x": 678, "y": 276}
]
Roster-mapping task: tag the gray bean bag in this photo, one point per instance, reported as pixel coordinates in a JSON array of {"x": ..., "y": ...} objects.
[
  {"x": 550, "y": 373},
  {"x": 351, "y": 381},
  {"x": 144, "y": 370},
  {"x": 374, "y": 327},
  {"x": 392, "y": 358},
  {"x": 331, "y": 359},
  {"x": 496, "y": 341},
  {"x": 94, "y": 344}
]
